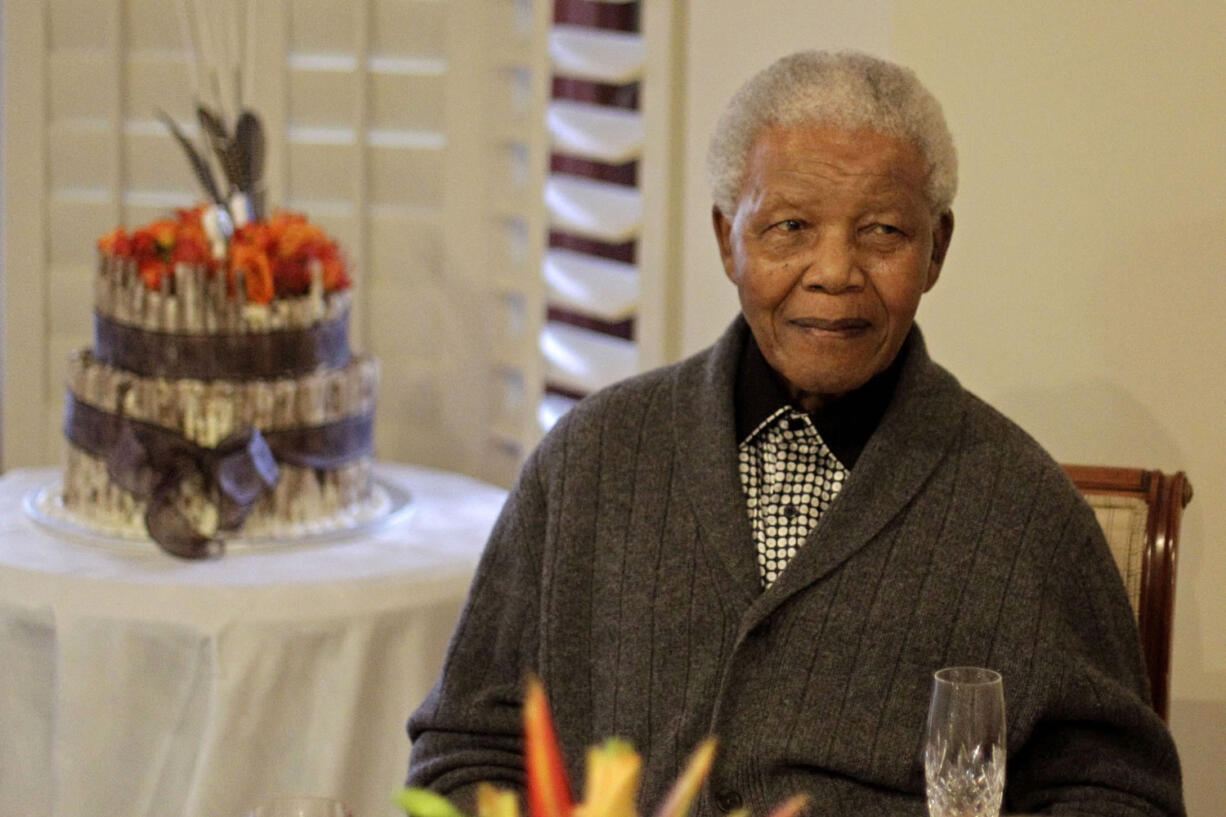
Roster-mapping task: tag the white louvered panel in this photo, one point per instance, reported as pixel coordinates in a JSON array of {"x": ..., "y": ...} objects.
[
  {"x": 323, "y": 99},
  {"x": 407, "y": 294},
  {"x": 322, "y": 170},
  {"x": 71, "y": 298},
  {"x": 144, "y": 206},
  {"x": 326, "y": 163},
  {"x": 322, "y": 27},
  {"x": 551, "y": 409},
  {"x": 600, "y": 210},
  {"x": 78, "y": 197},
  {"x": 407, "y": 239},
  {"x": 516, "y": 22},
  {"x": 511, "y": 248},
  {"x": 513, "y": 166},
  {"x": 597, "y": 139},
  {"x": 510, "y": 326},
  {"x": 428, "y": 140},
  {"x": 583, "y": 361},
  {"x": 510, "y": 399},
  {"x": 154, "y": 162},
  {"x": 82, "y": 160},
  {"x": 323, "y": 63},
  {"x": 508, "y": 238},
  {"x": 406, "y": 175},
  {"x": 408, "y": 100},
  {"x": 611, "y": 57},
  {"x": 158, "y": 81},
  {"x": 410, "y": 27},
  {"x": 71, "y": 301},
  {"x": 603, "y": 134},
  {"x": 407, "y": 66},
  {"x": 368, "y": 91},
  {"x": 73, "y": 24},
  {"x": 78, "y": 82},
  {"x": 151, "y": 24},
  {"x": 605, "y": 289},
  {"x": 512, "y": 98},
  {"x": 74, "y": 223},
  {"x": 516, "y": 189}
]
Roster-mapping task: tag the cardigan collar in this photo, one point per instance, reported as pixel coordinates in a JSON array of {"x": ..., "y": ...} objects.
[
  {"x": 918, "y": 427},
  {"x": 845, "y": 425}
]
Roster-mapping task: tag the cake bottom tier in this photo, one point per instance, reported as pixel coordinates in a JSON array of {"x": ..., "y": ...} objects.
[
  {"x": 303, "y": 501},
  {"x": 175, "y": 443}
]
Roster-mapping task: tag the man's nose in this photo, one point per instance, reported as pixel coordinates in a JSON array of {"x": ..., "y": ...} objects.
[{"x": 833, "y": 265}]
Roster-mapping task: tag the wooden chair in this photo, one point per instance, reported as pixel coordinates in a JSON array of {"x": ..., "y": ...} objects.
[{"x": 1139, "y": 511}]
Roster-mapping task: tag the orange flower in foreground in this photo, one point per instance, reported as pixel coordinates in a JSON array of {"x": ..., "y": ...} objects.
[
  {"x": 611, "y": 786},
  {"x": 548, "y": 791}
]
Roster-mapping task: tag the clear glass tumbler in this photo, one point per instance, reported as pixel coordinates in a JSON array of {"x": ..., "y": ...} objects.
[{"x": 964, "y": 750}]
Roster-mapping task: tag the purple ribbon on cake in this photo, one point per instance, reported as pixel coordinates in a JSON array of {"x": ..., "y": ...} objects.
[
  {"x": 153, "y": 463},
  {"x": 239, "y": 356}
]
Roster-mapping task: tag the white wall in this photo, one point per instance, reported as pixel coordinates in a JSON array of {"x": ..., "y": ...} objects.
[{"x": 1084, "y": 291}]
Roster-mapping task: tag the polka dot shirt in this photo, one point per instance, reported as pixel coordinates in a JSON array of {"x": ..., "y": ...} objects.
[
  {"x": 790, "y": 476},
  {"x": 794, "y": 464}
]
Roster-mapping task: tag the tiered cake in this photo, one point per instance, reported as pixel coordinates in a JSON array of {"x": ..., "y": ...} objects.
[{"x": 219, "y": 397}]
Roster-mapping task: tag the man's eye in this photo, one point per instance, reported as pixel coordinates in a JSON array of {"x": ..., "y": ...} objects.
[
  {"x": 789, "y": 225},
  {"x": 884, "y": 229}
]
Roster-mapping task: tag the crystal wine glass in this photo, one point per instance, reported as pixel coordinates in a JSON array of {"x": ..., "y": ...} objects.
[{"x": 964, "y": 752}]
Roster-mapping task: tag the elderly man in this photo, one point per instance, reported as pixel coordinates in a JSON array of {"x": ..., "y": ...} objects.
[{"x": 778, "y": 540}]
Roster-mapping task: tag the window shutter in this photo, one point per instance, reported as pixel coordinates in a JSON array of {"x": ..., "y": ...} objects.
[{"x": 593, "y": 201}]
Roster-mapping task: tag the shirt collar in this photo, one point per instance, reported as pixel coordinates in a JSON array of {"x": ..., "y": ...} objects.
[{"x": 844, "y": 425}]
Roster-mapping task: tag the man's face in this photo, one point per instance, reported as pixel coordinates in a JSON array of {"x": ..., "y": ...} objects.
[{"x": 831, "y": 246}]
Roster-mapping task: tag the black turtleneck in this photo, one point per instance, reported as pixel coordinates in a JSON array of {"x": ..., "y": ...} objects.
[{"x": 845, "y": 424}]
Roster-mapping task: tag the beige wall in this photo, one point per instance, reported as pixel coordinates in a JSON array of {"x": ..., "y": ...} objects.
[{"x": 1085, "y": 290}]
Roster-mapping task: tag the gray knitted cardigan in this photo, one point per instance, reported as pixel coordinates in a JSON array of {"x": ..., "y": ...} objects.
[{"x": 622, "y": 572}]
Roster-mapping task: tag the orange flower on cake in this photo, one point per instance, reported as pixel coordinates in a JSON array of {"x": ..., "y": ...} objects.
[
  {"x": 251, "y": 264},
  {"x": 278, "y": 258}
]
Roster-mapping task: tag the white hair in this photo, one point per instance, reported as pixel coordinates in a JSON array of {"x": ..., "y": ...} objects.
[{"x": 848, "y": 90}]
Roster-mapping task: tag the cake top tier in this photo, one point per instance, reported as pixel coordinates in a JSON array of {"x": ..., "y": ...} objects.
[{"x": 180, "y": 275}]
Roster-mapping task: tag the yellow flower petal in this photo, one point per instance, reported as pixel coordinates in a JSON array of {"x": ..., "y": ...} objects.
[
  {"x": 495, "y": 802},
  {"x": 686, "y": 787}
]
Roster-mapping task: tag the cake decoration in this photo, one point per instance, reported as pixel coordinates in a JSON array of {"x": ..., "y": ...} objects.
[{"x": 220, "y": 396}]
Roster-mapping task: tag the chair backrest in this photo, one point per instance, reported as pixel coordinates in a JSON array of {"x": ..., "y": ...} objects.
[{"x": 1139, "y": 511}]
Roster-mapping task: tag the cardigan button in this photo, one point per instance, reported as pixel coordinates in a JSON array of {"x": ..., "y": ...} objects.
[{"x": 728, "y": 800}]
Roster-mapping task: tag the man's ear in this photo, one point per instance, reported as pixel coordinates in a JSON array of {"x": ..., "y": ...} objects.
[
  {"x": 942, "y": 232},
  {"x": 723, "y": 237}
]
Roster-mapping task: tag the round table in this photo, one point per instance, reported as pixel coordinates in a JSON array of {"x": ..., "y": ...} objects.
[{"x": 138, "y": 684}]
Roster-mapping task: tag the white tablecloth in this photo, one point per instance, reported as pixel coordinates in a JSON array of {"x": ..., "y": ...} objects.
[{"x": 132, "y": 683}]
